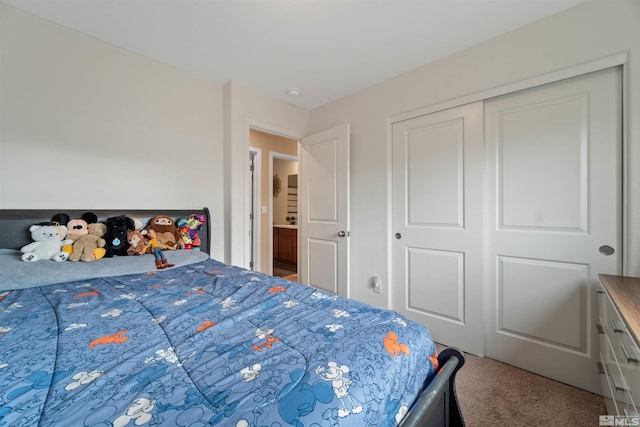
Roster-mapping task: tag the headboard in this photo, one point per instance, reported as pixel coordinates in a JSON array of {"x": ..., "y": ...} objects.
[{"x": 15, "y": 223}]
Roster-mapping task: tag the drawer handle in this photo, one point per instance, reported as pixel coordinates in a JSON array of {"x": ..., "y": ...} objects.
[
  {"x": 601, "y": 369},
  {"x": 601, "y": 329},
  {"x": 630, "y": 353},
  {"x": 617, "y": 326},
  {"x": 619, "y": 383}
]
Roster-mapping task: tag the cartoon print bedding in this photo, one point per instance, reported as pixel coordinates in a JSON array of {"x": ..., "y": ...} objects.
[{"x": 204, "y": 344}]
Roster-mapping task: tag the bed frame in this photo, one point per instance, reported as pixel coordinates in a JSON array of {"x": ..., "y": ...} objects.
[
  {"x": 436, "y": 405},
  {"x": 15, "y": 223}
]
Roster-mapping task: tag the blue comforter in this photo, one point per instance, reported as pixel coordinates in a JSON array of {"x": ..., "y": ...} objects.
[{"x": 204, "y": 344}]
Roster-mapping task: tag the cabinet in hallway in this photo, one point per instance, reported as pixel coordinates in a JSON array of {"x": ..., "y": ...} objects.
[{"x": 285, "y": 248}]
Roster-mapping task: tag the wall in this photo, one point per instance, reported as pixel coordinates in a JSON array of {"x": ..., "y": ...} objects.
[
  {"x": 269, "y": 144},
  {"x": 87, "y": 125},
  {"x": 585, "y": 33},
  {"x": 103, "y": 121},
  {"x": 246, "y": 109}
]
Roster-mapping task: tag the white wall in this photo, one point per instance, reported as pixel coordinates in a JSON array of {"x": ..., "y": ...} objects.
[
  {"x": 102, "y": 121},
  {"x": 86, "y": 125},
  {"x": 585, "y": 33},
  {"x": 246, "y": 108}
]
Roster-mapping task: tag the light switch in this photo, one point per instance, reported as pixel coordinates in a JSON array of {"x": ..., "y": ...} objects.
[
  {"x": 376, "y": 284},
  {"x": 264, "y": 209}
]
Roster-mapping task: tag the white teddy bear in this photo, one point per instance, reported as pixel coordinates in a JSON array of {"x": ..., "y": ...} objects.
[{"x": 48, "y": 239}]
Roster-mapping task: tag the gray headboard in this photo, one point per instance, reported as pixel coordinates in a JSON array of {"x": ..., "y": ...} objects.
[{"x": 15, "y": 223}]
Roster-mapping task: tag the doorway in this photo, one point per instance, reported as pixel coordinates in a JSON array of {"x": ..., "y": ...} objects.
[
  {"x": 284, "y": 208},
  {"x": 279, "y": 156}
]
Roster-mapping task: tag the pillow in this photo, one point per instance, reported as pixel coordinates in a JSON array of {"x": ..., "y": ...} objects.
[{"x": 18, "y": 274}]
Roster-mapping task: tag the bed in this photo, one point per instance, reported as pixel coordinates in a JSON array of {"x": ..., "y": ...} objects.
[{"x": 116, "y": 342}]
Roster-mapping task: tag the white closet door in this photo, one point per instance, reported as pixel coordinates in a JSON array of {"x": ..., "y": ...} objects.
[
  {"x": 553, "y": 200},
  {"x": 437, "y": 224}
]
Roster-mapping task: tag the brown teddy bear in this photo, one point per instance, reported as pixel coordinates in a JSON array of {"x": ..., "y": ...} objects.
[
  {"x": 91, "y": 246},
  {"x": 166, "y": 230}
]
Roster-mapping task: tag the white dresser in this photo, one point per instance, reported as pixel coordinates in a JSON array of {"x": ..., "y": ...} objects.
[{"x": 619, "y": 329}]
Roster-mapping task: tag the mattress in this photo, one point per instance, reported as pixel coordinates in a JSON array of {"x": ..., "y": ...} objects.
[{"x": 200, "y": 344}]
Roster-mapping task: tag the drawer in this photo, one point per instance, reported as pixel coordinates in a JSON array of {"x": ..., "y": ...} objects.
[
  {"x": 286, "y": 232},
  {"x": 624, "y": 350},
  {"x": 607, "y": 388},
  {"x": 618, "y": 352},
  {"x": 630, "y": 370},
  {"x": 630, "y": 413},
  {"x": 620, "y": 390}
]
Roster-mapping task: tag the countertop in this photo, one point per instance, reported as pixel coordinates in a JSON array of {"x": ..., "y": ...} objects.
[
  {"x": 625, "y": 294},
  {"x": 285, "y": 226}
]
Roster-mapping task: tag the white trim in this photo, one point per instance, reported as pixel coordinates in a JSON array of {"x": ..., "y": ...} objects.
[
  {"x": 257, "y": 201},
  {"x": 576, "y": 70},
  {"x": 273, "y": 130},
  {"x": 626, "y": 164},
  {"x": 390, "y": 232}
]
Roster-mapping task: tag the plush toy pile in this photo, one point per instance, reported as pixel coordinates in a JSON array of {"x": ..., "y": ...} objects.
[
  {"x": 85, "y": 239},
  {"x": 189, "y": 227}
]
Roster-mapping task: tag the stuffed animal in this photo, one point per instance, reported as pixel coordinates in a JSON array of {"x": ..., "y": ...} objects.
[
  {"x": 156, "y": 248},
  {"x": 116, "y": 235},
  {"x": 48, "y": 240},
  {"x": 90, "y": 247},
  {"x": 76, "y": 227},
  {"x": 136, "y": 243},
  {"x": 166, "y": 231},
  {"x": 137, "y": 224},
  {"x": 189, "y": 227}
]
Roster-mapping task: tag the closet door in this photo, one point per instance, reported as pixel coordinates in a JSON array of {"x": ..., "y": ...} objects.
[
  {"x": 437, "y": 224},
  {"x": 553, "y": 209}
]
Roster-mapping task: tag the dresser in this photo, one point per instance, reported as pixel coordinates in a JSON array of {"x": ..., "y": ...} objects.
[{"x": 619, "y": 331}]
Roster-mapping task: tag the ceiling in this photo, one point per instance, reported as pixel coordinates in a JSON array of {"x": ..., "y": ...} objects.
[{"x": 326, "y": 48}]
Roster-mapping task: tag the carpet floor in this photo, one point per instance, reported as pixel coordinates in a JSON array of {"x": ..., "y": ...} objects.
[{"x": 492, "y": 393}]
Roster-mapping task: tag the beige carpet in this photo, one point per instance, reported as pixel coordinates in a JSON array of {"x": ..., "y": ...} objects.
[{"x": 492, "y": 393}]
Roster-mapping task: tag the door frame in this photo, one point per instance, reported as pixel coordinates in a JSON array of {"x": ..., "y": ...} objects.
[
  {"x": 281, "y": 156},
  {"x": 256, "y": 196},
  {"x": 251, "y": 124}
]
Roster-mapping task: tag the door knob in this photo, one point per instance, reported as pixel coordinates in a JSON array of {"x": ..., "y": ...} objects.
[
  {"x": 398, "y": 236},
  {"x": 606, "y": 250},
  {"x": 341, "y": 233}
]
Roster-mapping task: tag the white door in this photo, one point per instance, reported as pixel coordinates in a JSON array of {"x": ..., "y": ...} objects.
[
  {"x": 553, "y": 158},
  {"x": 323, "y": 192},
  {"x": 437, "y": 224}
]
